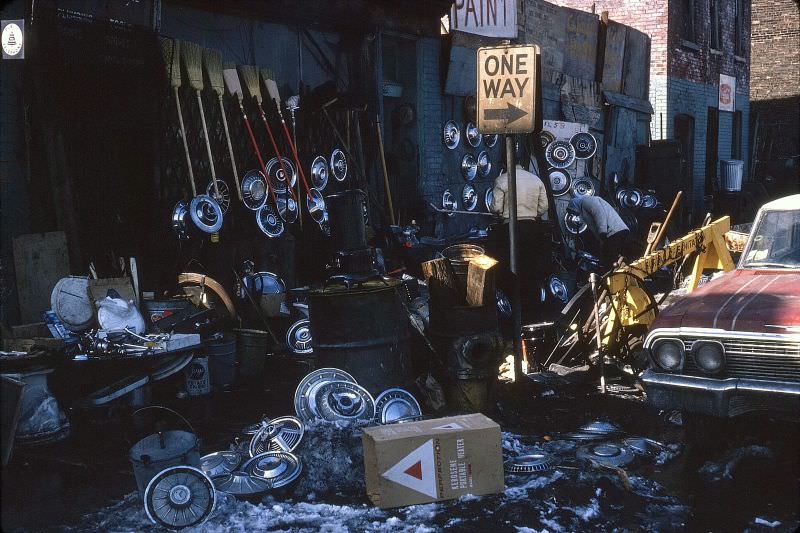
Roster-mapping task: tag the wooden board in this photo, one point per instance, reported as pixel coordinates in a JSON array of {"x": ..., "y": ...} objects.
[
  {"x": 481, "y": 281},
  {"x": 581, "y": 47},
  {"x": 40, "y": 260},
  {"x": 636, "y": 70},
  {"x": 614, "y": 55}
]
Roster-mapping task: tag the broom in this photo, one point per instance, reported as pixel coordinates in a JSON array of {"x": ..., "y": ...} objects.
[
  {"x": 234, "y": 86},
  {"x": 250, "y": 77},
  {"x": 192, "y": 55},
  {"x": 171, "y": 52},
  {"x": 212, "y": 61}
]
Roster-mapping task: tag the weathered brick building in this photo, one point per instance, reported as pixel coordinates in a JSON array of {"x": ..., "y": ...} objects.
[
  {"x": 693, "y": 43},
  {"x": 775, "y": 93}
]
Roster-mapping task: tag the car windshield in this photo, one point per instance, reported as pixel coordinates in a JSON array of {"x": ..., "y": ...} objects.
[{"x": 775, "y": 242}]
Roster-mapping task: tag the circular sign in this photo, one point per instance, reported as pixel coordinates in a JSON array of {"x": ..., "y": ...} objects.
[{"x": 12, "y": 39}]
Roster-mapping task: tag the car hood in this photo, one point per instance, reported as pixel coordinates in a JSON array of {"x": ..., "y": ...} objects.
[{"x": 742, "y": 300}]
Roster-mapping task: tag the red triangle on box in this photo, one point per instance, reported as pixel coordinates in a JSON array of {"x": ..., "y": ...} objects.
[{"x": 415, "y": 470}]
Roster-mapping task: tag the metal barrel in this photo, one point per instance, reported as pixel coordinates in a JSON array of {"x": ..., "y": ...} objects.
[
  {"x": 459, "y": 256},
  {"x": 346, "y": 215},
  {"x": 253, "y": 345},
  {"x": 731, "y": 172},
  {"x": 364, "y": 331},
  {"x": 222, "y": 361}
]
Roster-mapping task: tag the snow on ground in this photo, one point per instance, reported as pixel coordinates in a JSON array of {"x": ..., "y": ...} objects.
[{"x": 330, "y": 496}]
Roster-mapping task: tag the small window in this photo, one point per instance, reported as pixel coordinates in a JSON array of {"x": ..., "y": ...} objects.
[
  {"x": 739, "y": 47},
  {"x": 715, "y": 29},
  {"x": 687, "y": 17},
  {"x": 736, "y": 136}
]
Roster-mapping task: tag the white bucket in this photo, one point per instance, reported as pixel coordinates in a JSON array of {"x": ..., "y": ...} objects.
[{"x": 198, "y": 382}]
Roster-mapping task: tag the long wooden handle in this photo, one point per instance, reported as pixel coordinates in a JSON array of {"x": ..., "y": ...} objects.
[
  {"x": 257, "y": 150},
  {"x": 385, "y": 173},
  {"x": 663, "y": 229},
  {"x": 278, "y": 154},
  {"x": 185, "y": 144},
  {"x": 230, "y": 147},
  {"x": 208, "y": 143}
]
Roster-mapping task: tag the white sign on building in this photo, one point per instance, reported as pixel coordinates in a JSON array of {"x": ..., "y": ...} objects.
[
  {"x": 727, "y": 92},
  {"x": 491, "y": 18}
]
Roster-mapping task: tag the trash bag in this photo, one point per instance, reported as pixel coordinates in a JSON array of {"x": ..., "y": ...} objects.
[{"x": 117, "y": 314}]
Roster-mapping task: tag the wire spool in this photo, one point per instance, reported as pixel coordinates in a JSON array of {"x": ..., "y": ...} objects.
[
  {"x": 222, "y": 195},
  {"x": 545, "y": 138},
  {"x": 298, "y": 337},
  {"x": 179, "y": 497},
  {"x": 283, "y": 434},
  {"x": 338, "y": 164},
  {"x": 205, "y": 213},
  {"x": 180, "y": 220},
  {"x": 220, "y": 463},
  {"x": 559, "y": 154},
  {"x": 344, "y": 400},
  {"x": 490, "y": 140},
  {"x": 277, "y": 175},
  {"x": 574, "y": 224},
  {"x": 254, "y": 190},
  {"x": 469, "y": 199},
  {"x": 560, "y": 181},
  {"x": 469, "y": 167},
  {"x": 473, "y": 136},
  {"x": 319, "y": 173},
  {"x": 269, "y": 222},
  {"x": 484, "y": 164},
  {"x": 585, "y": 145},
  {"x": 315, "y": 204},
  {"x": 583, "y": 186},
  {"x": 277, "y": 469},
  {"x": 448, "y": 201},
  {"x": 530, "y": 463},
  {"x": 304, "y": 396},
  {"x": 451, "y": 134},
  {"x": 396, "y": 405}
]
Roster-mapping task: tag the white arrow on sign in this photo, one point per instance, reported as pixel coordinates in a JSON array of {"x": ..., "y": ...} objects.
[{"x": 507, "y": 89}]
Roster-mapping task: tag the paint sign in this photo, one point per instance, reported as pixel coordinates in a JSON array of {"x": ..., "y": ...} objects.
[
  {"x": 491, "y": 18},
  {"x": 727, "y": 92},
  {"x": 507, "y": 89},
  {"x": 12, "y": 39}
]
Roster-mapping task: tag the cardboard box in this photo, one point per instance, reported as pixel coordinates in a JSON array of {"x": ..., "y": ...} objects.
[{"x": 432, "y": 460}]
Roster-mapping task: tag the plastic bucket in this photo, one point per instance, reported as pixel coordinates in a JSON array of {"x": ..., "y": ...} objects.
[
  {"x": 731, "y": 172},
  {"x": 253, "y": 345},
  {"x": 161, "y": 450},
  {"x": 222, "y": 361}
]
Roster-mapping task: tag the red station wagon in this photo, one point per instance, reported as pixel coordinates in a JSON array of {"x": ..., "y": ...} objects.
[{"x": 733, "y": 345}]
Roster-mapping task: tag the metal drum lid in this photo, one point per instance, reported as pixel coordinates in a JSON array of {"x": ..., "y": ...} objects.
[
  {"x": 545, "y": 138},
  {"x": 277, "y": 176},
  {"x": 315, "y": 203},
  {"x": 240, "y": 483},
  {"x": 396, "y": 405},
  {"x": 560, "y": 181},
  {"x": 643, "y": 447},
  {"x": 574, "y": 224},
  {"x": 559, "y": 154},
  {"x": 222, "y": 195},
  {"x": 180, "y": 216},
  {"x": 179, "y": 497},
  {"x": 344, "y": 400},
  {"x": 649, "y": 201},
  {"x": 282, "y": 434},
  {"x": 490, "y": 140},
  {"x": 287, "y": 207},
  {"x": 558, "y": 289},
  {"x": 488, "y": 198},
  {"x": 629, "y": 197},
  {"x": 338, "y": 164},
  {"x": 583, "y": 186},
  {"x": 70, "y": 301},
  {"x": 530, "y": 463},
  {"x": 254, "y": 189},
  {"x": 448, "y": 201},
  {"x": 277, "y": 469},
  {"x": 585, "y": 145},
  {"x": 484, "y": 164},
  {"x": 469, "y": 167},
  {"x": 473, "y": 137},
  {"x": 220, "y": 463},
  {"x": 451, "y": 134},
  {"x": 606, "y": 453},
  {"x": 270, "y": 223},
  {"x": 206, "y": 213},
  {"x": 319, "y": 173},
  {"x": 298, "y": 338},
  {"x": 469, "y": 198},
  {"x": 304, "y": 396}
]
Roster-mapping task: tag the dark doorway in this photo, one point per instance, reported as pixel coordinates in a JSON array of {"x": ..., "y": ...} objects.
[
  {"x": 684, "y": 134},
  {"x": 712, "y": 145}
]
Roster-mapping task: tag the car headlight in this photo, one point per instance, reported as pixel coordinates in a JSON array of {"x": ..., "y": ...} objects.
[
  {"x": 668, "y": 354},
  {"x": 709, "y": 356}
]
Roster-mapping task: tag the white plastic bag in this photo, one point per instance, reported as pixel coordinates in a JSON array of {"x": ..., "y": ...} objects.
[{"x": 117, "y": 314}]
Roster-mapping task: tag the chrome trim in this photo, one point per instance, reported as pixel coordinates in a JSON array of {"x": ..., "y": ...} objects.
[
  {"x": 715, "y": 333},
  {"x": 720, "y": 385}
]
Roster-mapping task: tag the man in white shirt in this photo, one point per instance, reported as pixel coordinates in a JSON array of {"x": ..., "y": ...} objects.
[{"x": 531, "y": 196}]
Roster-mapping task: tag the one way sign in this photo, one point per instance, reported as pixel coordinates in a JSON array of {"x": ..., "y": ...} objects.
[{"x": 507, "y": 89}]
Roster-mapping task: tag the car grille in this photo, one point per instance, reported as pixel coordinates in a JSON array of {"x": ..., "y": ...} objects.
[{"x": 755, "y": 359}]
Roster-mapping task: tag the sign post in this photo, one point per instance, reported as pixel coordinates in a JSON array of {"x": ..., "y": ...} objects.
[{"x": 506, "y": 96}]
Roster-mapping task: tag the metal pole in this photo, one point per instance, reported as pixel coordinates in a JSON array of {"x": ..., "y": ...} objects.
[
  {"x": 516, "y": 312},
  {"x": 594, "y": 280}
]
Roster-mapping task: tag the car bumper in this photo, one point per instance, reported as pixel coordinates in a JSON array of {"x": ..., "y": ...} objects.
[{"x": 721, "y": 397}]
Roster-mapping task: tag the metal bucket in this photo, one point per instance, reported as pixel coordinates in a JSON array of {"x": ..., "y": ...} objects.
[
  {"x": 161, "y": 450},
  {"x": 731, "y": 172},
  {"x": 459, "y": 256},
  {"x": 253, "y": 345},
  {"x": 364, "y": 331},
  {"x": 222, "y": 361},
  {"x": 346, "y": 215},
  {"x": 538, "y": 341}
]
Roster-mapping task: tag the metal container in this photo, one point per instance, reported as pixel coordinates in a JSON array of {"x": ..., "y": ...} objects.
[
  {"x": 222, "y": 361},
  {"x": 459, "y": 256},
  {"x": 346, "y": 215},
  {"x": 538, "y": 341},
  {"x": 364, "y": 331},
  {"x": 198, "y": 379},
  {"x": 253, "y": 345},
  {"x": 155, "y": 310},
  {"x": 731, "y": 172}
]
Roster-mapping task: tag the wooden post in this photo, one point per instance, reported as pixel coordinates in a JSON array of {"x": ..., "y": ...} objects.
[{"x": 481, "y": 281}]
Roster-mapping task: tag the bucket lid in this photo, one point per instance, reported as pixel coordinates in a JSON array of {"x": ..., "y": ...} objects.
[{"x": 175, "y": 444}]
